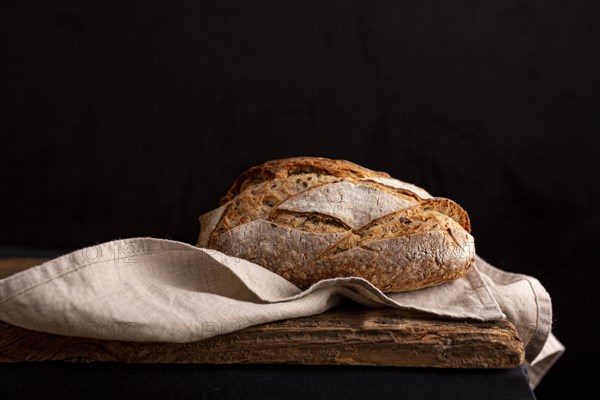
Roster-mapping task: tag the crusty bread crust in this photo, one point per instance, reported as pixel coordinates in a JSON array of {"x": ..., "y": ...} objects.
[
  {"x": 285, "y": 167},
  {"x": 309, "y": 219}
]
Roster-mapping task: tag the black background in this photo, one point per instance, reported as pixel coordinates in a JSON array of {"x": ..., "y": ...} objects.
[{"x": 124, "y": 119}]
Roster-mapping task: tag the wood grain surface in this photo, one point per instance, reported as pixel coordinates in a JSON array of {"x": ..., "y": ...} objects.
[
  {"x": 9, "y": 266},
  {"x": 346, "y": 335}
]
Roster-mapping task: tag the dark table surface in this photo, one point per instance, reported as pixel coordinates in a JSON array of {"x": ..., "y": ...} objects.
[{"x": 115, "y": 380}]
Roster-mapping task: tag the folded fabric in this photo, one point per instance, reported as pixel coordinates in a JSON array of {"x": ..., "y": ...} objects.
[{"x": 147, "y": 289}]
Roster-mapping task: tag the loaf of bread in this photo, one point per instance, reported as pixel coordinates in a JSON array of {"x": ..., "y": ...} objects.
[{"x": 310, "y": 218}]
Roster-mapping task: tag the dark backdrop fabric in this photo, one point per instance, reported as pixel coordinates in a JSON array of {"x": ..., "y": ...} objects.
[{"x": 124, "y": 119}]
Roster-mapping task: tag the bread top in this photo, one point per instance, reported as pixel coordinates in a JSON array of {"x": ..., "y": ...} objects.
[
  {"x": 285, "y": 167},
  {"x": 321, "y": 195}
]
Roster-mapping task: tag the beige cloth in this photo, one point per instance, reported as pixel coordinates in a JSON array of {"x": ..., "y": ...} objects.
[{"x": 148, "y": 289}]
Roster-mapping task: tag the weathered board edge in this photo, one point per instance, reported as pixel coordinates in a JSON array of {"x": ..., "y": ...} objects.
[{"x": 347, "y": 335}]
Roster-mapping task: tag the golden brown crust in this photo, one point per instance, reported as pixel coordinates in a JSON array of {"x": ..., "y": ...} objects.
[
  {"x": 310, "y": 218},
  {"x": 262, "y": 199},
  {"x": 449, "y": 208},
  {"x": 284, "y": 167}
]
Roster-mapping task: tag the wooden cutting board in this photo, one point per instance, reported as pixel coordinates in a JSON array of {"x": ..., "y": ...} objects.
[{"x": 346, "y": 335}]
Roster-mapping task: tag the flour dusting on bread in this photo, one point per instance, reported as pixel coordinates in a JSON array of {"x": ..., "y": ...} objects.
[{"x": 312, "y": 218}]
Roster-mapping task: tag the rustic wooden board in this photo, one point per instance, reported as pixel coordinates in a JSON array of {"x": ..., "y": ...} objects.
[
  {"x": 9, "y": 266},
  {"x": 346, "y": 335}
]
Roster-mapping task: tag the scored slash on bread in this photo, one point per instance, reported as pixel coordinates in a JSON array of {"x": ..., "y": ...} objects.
[
  {"x": 287, "y": 167},
  {"x": 310, "y": 218}
]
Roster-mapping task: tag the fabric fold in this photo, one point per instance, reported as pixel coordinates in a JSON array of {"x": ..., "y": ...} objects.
[{"x": 158, "y": 290}]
